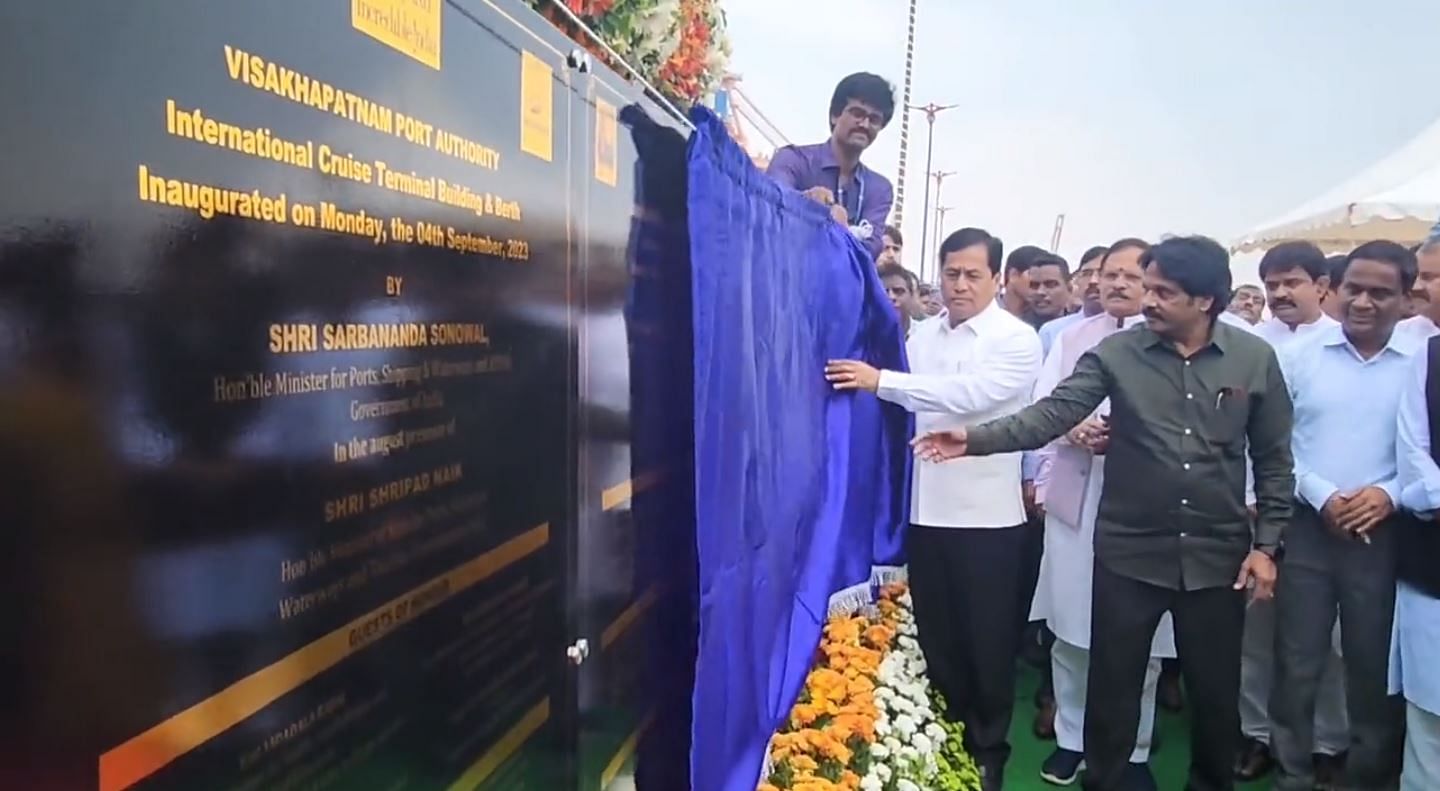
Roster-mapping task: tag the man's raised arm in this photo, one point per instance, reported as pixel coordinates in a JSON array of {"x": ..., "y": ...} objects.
[{"x": 1047, "y": 419}]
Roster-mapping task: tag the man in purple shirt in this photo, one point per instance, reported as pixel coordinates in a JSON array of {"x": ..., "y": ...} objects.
[{"x": 830, "y": 173}]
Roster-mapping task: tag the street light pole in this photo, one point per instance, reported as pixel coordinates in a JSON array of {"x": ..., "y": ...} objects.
[
  {"x": 940, "y": 212},
  {"x": 939, "y": 178},
  {"x": 931, "y": 110}
]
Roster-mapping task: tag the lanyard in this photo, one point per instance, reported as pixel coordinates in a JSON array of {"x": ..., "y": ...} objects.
[{"x": 860, "y": 194}]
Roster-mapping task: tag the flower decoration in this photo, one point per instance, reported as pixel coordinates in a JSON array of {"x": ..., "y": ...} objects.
[
  {"x": 679, "y": 46},
  {"x": 867, "y": 719}
]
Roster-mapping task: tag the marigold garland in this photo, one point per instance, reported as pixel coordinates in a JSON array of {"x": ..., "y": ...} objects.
[{"x": 866, "y": 718}]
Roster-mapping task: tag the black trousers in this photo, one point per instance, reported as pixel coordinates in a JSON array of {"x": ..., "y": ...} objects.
[
  {"x": 964, "y": 583},
  {"x": 1324, "y": 571},
  {"x": 1208, "y": 627}
]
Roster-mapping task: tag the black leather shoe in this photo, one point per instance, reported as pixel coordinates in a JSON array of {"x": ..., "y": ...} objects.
[
  {"x": 1329, "y": 771},
  {"x": 992, "y": 778},
  {"x": 1254, "y": 761}
]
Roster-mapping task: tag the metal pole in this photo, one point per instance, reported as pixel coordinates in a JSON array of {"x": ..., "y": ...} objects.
[
  {"x": 931, "y": 110},
  {"x": 940, "y": 215},
  {"x": 925, "y": 211},
  {"x": 905, "y": 119}
]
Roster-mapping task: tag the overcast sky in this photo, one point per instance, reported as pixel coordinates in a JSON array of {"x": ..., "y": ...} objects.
[{"x": 1132, "y": 117}]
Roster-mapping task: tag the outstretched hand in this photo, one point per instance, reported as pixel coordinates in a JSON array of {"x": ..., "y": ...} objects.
[{"x": 941, "y": 445}]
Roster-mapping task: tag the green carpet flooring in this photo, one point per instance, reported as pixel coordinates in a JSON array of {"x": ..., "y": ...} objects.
[{"x": 1023, "y": 772}]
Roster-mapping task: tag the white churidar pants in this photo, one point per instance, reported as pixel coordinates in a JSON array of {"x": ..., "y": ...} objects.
[
  {"x": 1071, "y": 666},
  {"x": 1422, "y": 750}
]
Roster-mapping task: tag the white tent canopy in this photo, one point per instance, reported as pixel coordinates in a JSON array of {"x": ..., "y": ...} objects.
[{"x": 1397, "y": 198}]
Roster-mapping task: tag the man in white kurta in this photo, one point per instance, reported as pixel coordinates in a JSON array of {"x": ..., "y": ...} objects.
[
  {"x": 1072, "y": 476},
  {"x": 966, "y": 540},
  {"x": 1415, "y": 644}
]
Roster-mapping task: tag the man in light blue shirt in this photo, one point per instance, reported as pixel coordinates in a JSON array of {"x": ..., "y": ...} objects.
[
  {"x": 1085, "y": 284},
  {"x": 1340, "y": 547},
  {"x": 1297, "y": 279}
]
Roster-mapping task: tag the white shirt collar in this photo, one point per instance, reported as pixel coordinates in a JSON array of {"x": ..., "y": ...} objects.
[
  {"x": 989, "y": 320},
  {"x": 1274, "y": 324},
  {"x": 1236, "y": 322}
]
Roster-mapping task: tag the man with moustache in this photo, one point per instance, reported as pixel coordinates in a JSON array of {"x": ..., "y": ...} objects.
[
  {"x": 1296, "y": 278},
  {"x": 1248, "y": 302},
  {"x": 1049, "y": 279},
  {"x": 931, "y": 303},
  {"x": 830, "y": 173},
  {"x": 1340, "y": 546},
  {"x": 1085, "y": 299},
  {"x": 966, "y": 542},
  {"x": 1187, "y": 393},
  {"x": 1070, "y": 486},
  {"x": 1085, "y": 303},
  {"x": 1426, "y": 294},
  {"x": 1015, "y": 295},
  {"x": 899, "y": 285}
]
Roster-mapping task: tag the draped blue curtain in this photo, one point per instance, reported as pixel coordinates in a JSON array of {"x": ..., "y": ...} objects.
[
  {"x": 657, "y": 313},
  {"x": 799, "y": 491}
]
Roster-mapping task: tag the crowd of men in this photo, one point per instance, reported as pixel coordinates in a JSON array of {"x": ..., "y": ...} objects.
[{"x": 1172, "y": 485}]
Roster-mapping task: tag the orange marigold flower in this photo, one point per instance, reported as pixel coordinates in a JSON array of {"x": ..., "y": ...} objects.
[
  {"x": 804, "y": 713},
  {"x": 804, "y": 763},
  {"x": 879, "y": 636}
]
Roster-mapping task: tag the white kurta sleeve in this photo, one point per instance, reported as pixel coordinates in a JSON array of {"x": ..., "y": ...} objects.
[
  {"x": 1050, "y": 375},
  {"x": 1008, "y": 374}
]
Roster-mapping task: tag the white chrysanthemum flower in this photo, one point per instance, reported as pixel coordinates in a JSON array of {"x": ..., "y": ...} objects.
[
  {"x": 935, "y": 732},
  {"x": 872, "y": 782},
  {"x": 884, "y": 771},
  {"x": 906, "y": 785},
  {"x": 922, "y": 743},
  {"x": 905, "y": 726}
]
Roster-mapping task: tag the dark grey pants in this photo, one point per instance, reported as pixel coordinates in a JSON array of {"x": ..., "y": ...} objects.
[{"x": 1323, "y": 571}]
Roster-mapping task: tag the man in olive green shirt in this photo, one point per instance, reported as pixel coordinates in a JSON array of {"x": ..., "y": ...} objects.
[{"x": 1187, "y": 393}]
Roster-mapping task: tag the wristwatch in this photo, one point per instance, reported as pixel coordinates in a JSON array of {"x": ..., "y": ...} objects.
[{"x": 1275, "y": 551}]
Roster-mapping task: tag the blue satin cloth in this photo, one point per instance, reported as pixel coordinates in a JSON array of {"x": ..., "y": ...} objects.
[{"x": 800, "y": 491}]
